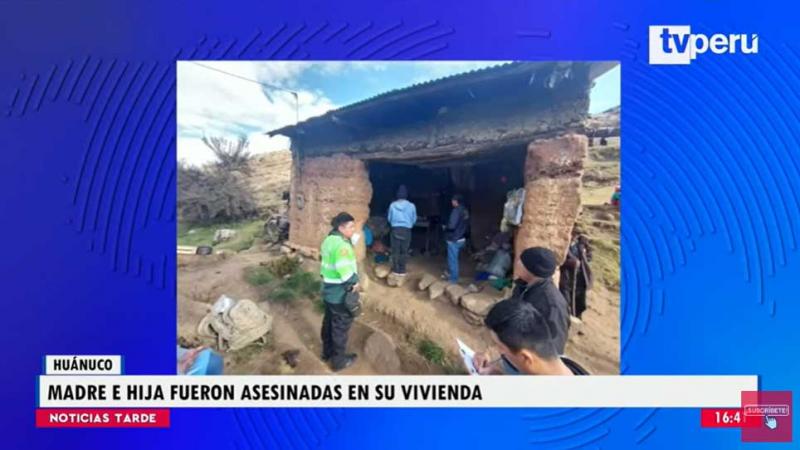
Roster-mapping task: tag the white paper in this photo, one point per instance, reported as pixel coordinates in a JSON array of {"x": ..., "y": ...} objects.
[{"x": 468, "y": 354}]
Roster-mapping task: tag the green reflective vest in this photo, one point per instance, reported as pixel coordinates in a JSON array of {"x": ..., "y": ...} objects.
[{"x": 338, "y": 259}]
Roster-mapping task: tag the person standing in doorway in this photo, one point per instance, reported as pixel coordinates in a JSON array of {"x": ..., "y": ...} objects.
[
  {"x": 339, "y": 273},
  {"x": 455, "y": 235},
  {"x": 576, "y": 275},
  {"x": 402, "y": 217}
]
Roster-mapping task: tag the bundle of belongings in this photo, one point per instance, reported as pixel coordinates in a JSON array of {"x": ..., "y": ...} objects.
[
  {"x": 512, "y": 210},
  {"x": 375, "y": 232},
  {"x": 495, "y": 260},
  {"x": 276, "y": 228},
  {"x": 235, "y": 324}
]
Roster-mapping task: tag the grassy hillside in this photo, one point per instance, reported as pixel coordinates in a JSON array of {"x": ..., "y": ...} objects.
[{"x": 247, "y": 232}]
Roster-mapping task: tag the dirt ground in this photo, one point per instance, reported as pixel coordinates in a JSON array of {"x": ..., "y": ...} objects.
[
  {"x": 295, "y": 326},
  {"x": 405, "y": 314}
]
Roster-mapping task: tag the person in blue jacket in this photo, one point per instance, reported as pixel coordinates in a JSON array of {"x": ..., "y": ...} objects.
[
  {"x": 456, "y": 235},
  {"x": 402, "y": 217}
]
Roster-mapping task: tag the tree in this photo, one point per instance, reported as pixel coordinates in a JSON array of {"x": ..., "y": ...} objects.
[
  {"x": 217, "y": 192},
  {"x": 231, "y": 155}
]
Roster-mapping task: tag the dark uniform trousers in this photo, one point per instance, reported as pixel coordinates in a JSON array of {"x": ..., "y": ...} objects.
[{"x": 335, "y": 327}]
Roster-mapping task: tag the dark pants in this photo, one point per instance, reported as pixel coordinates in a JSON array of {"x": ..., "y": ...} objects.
[
  {"x": 580, "y": 295},
  {"x": 573, "y": 287},
  {"x": 335, "y": 326},
  {"x": 401, "y": 241}
]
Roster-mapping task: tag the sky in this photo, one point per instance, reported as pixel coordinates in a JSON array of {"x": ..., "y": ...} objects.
[{"x": 230, "y": 99}]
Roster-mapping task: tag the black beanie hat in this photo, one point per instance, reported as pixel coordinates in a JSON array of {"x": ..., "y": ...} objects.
[
  {"x": 402, "y": 192},
  {"x": 539, "y": 261}
]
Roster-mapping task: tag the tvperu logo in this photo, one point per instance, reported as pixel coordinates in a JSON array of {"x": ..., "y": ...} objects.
[{"x": 676, "y": 44}]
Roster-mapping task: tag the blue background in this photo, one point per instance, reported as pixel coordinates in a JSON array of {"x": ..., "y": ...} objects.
[{"x": 711, "y": 219}]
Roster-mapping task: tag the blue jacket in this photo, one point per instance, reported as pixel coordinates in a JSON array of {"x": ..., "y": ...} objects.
[
  {"x": 402, "y": 213},
  {"x": 457, "y": 225}
]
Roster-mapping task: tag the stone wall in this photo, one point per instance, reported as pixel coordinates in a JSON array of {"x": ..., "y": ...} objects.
[
  {"x": 553, "y": 170},
  {"x": 322, "y": 188},
  {"x": 268, "y": 179}
]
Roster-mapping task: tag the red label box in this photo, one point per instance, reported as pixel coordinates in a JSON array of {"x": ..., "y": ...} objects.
[
  {"x": 101, "y": 418},
  {"x": 727, "y": 418}
]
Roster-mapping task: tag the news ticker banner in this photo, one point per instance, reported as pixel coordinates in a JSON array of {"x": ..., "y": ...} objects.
[{"x": 90, "y": 391}]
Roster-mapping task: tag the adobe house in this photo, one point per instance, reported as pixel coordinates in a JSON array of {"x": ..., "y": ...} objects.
[{"x": 479, "y": 133}]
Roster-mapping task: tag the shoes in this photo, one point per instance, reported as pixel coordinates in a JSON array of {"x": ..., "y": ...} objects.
[
  {"x": 348, "y": 361},
  {"x": 324, "y": 357}
]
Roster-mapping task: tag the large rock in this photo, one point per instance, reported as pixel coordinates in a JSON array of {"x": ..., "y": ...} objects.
[
  {"x": 426, "y": 281},
  {"x": 223, "y": 234},
  {"x": 454, "y": 293},
  {"x": 436, "y": 289},
  {"x": 382, "y": 271},
  {"x": 472, "y": 318},
  {"x": 381, "y": 352},
  {"x": 478, "y": 303},
  {"x": 396, "y": 279}
]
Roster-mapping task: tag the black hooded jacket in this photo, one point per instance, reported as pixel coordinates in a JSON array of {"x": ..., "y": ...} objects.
[{"x": 547, "y": 299}]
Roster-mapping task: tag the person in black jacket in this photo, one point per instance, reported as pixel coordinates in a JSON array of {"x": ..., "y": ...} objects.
[
  {"x": 526, "y": 343},
  {"x": 456, "y": 235},
  {"x": 535, "y": 286},
  {"x": 576, "y": 275}
]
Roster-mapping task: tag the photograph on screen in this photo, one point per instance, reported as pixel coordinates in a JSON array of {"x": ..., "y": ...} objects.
[{"x": 442, "y": 217}]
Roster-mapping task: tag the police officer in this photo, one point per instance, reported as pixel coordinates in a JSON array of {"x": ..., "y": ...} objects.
[{"x": 339, "y": 276}]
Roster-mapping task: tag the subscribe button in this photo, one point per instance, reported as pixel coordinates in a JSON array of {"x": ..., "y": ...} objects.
[{"x": 102, "y": 418}]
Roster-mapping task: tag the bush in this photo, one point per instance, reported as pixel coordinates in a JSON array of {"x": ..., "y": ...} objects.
[
  {"x": 218, "y": 191},
  {"x": 304, "y": 283},
  {"x": 211, "y": 195},
  {"x": 283, "y": 266},
  {"x": 282, "y": 294},
  {"x": 431, "y": 351},
  {"x": 258, "y": 276}
]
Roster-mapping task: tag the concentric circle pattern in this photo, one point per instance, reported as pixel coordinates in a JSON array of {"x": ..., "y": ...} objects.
[{"x": 710, "y": 215}]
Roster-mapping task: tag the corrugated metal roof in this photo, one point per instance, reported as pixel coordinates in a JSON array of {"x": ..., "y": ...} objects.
[
  {"x": 397, "y": 91},
  {"x": 433, "y": 85},
  {"x": 467, "y": 74}
]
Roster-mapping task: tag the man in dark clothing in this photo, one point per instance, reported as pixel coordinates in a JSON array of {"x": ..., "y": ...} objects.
[
  {"x": 526, "y": 341},
  {"x": 456, "y": 235},
  {"x": 535, "y": 286},
  {"x": 402, "y": 217},
  {"x": 576, "y": 275}
]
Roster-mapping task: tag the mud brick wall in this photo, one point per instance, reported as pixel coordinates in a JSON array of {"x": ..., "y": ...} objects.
[
  {"x": 553, "y": 170},
  {"x": 322, "y": 188}
]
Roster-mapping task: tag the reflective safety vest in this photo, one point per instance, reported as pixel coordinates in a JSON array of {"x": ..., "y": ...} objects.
[{"x": 338, "y": 259}]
